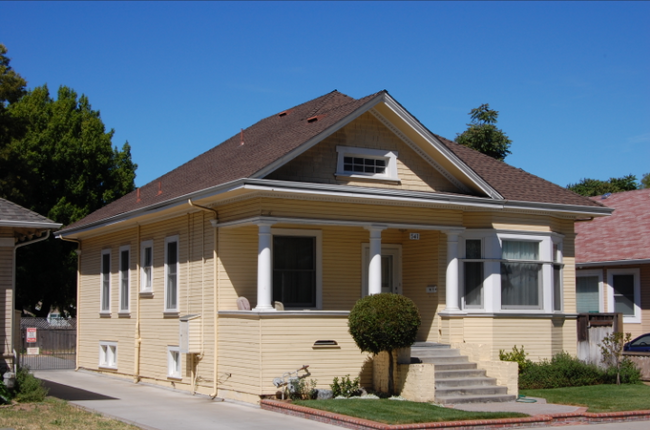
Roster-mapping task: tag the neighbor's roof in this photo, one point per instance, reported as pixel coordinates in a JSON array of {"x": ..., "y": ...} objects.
[
  {"x": 276, "y": 136},
  {"x": 623, "y": 236},
  {"x": 13, "y": 215}
]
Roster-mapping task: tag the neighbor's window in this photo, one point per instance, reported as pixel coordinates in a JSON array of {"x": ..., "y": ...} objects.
[
  {"x": 521, "y": 276},
  {"x": 473, "y": 274},
  {"x": 588, "y": 292},
  {"x": 171, "y": 273},
  {"x": 294, "y": 270},
  {"x": 125, "y": 259},
  {"x": 625, "y": 293},
  {"x": 366, "y": 163},
  {"x": 105, "y": 298},
  {"x": 146, "y": 264}
]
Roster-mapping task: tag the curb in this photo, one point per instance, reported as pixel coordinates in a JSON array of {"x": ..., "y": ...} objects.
[{"x": 572, "y": 418}]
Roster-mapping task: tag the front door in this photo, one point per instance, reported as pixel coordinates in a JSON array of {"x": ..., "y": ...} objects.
[{"x": 391, "y": 269}]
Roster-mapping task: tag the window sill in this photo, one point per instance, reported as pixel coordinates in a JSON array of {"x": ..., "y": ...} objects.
[
  {"x": 175, "y": 378},
  {"x": 105, "y": 367},
  {"x": 171, "y": 314},
  {"x": 349, "y": 176},
  {"x": 126, "y": 314},
  {"x": 146, "y": 294},
  {"x": 104, "y": 314}
]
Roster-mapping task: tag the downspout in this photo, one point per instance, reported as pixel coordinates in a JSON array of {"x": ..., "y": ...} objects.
[
  {"x": 78, "y": 252},
  {"x": 138, "y": 337},
  {"x": 13, "y": 297},
  {"x": 215, "y": 283}
]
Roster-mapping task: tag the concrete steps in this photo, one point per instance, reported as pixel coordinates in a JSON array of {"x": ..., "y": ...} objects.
[{"x": 457, "y": 379}]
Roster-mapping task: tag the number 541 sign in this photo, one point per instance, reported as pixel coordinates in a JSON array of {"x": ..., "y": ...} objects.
[{"x": 31, "y": 334}]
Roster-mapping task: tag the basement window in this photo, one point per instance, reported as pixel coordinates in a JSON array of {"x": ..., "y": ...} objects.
[{"x": 366, "y": 163}]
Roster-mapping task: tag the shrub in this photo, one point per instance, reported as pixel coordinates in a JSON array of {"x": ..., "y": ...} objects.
[
  {"x": 5, "y": 394},
  {"x": 384, "y": 322},
  {"x": 518, "y": 356},
  {"x": 298, "y": 389},
  {"x": 562, "y": 370},
  {"x": 612, "y": 349},
  {"x": 628, "y": 373},
  {"x": 346, "y": 388},
  {"x": 28, "y": 388}
]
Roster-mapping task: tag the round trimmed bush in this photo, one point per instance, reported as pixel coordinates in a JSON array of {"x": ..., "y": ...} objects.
[{"x": 384, "y": 322}]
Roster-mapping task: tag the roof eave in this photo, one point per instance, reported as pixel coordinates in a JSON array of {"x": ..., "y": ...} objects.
[{"x": 30, "y": 224}]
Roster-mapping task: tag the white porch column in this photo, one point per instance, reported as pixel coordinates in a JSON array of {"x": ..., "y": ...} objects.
[
  {"x": 452, "y": 273},
  {"x": 264, "y": 271},
  {"x": 374, "y": 260}
]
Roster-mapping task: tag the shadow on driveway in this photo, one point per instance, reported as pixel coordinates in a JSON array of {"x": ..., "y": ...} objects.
[{"x": 65, "y": 392}]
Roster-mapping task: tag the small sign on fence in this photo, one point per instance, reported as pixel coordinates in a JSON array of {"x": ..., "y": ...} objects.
[
  {"x": 33, "y": 351},
  {"x": 31, "y": 334}
]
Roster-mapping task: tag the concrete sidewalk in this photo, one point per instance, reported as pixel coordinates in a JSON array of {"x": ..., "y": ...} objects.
[{"x": 157, "y": 408}]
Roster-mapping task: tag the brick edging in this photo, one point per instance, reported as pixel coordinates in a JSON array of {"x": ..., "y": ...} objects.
[{"x": 579, "y": 417}]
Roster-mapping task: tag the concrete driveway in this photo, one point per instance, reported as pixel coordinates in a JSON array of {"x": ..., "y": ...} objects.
[{"x": 157, "y": 408}]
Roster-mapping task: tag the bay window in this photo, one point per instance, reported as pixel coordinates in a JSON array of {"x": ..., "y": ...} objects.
[{"x": 521, "y": 277}]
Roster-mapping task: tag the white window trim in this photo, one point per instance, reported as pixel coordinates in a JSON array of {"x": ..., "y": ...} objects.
[
  {"x": 558, "y": 260},
  {"x": 348, "y": 151},
  {"x": 318, "y": 234},
  {"x": 171, "y": 239},
  {"x": 601, "y": 296},
  {"x": 125, "y": 248},
  {"x": 143, "y": 278},
  {"x": 636, "y": 318},
  {"x": 365, "y": 255},
  {"x": 174, "y": 366},
  {"x": 105, "y": 310},
  {"x": 492, "y": 246},
  {"x": 107, "y": 354}
]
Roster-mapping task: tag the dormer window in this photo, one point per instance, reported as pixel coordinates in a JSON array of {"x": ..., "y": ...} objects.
[{"x": 366, "y": 163}]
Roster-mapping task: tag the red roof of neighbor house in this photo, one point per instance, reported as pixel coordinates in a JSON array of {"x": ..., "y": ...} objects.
[
  {"x": 623, "y": 236},
  {"x": 274, "y": 137}
]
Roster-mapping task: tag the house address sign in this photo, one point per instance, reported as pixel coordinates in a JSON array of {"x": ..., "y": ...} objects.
[{"x": 414, "y": 236}]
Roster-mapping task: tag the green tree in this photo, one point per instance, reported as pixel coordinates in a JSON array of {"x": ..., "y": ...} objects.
[
  {"x": 483, "y": 135},
  {"x": 595, "y": 187},
  {"x": 60, "y": 163},
  {"x": 12, "y": 88},
  {"x": 384, "y": 322},
  {"x": 645, "y": 181}
]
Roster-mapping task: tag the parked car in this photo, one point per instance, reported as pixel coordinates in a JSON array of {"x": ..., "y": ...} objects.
[{"x": 640, "y": 344}]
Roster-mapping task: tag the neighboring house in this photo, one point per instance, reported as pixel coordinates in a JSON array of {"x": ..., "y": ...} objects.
[
  {"x": 18, "y": 227},
  {"x": 613, "y": 260},
  {"x": 315, "y": 207}
]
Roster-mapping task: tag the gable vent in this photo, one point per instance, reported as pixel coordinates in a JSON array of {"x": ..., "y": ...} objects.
[
  {"x": 281, "y": 114},
  {"x": 315, "y": 118}
]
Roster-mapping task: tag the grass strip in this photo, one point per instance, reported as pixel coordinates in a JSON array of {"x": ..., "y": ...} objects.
[
  {"x": 399, "y": 412},
  {"x": 55, "y": 414},
  {"x": 598, "y": 398}
]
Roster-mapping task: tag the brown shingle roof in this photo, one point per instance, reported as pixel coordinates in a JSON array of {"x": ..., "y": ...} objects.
[
  {"x": 623, "y": 236},
  {"x": 10, "y": 211},
  {"x": 274, "y": 137}
]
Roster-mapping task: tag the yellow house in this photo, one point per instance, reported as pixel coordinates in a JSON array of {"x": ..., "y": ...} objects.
[{"x": 302, "y": 214}]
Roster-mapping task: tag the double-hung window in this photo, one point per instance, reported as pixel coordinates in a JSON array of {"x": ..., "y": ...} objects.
[
  {"x": 125, "y": 259},
  {"x": 146, "y": 266},
  {"x": 473, "y": 274},
  {"x": 589, "y": 291},
  {"x": 171, "y": 274},
  {"x": 105, "y": 276},
  {"x": 521, "y": 275},
  {"x": 366, "y": 163},
  {"x": 296, "y": 268}
]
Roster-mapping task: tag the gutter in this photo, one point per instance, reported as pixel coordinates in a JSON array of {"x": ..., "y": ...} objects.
[
  {"x": 612, "y": 263},
  {"x": 338, "y": 191}
]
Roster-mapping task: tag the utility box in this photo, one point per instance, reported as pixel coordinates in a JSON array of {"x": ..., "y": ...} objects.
[{"x": 189, "y": 341}]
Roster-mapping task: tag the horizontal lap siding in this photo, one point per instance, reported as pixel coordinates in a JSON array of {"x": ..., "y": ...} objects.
[
  {"x": 237, "y": 266},
  {"x": 542, "y": 338},
  {"x": 319, "y": 163},
  {"x": 239, "y": 355},
  {"x": 196, "y": 272},
  {"x": 6, "y": 299}
]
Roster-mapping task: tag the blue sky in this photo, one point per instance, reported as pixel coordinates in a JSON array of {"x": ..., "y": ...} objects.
[{"x": 571, "y": 80}]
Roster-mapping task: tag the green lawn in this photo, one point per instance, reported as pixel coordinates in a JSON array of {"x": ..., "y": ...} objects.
[
  {"x": 399, "y": 412},
  {"x": 598, "y": 398}
]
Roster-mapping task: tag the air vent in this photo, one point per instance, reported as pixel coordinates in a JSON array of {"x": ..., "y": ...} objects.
[
  {"x": 326, "y": 344},
  {"x": 281, "y": 114}
]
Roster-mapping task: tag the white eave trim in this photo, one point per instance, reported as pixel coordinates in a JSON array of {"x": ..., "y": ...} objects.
[
  {"x": 30, "y": 224},
  {"x": 612, "y": 263}
]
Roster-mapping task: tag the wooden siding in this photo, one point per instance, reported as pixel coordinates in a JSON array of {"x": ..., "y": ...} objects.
[
  {"x": 196, "y": 296},
  {"x": 319, "y": 163},
  {"x": 254, "y": 349},
  {"x": 6, "y": 299}
]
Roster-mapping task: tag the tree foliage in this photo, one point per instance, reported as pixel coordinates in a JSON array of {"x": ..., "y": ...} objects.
[
  {"x": 645, "y": 181},
  {"x": 483, "y": 135},
  {"x": 59, "y": 161},
  {"x": 594, "y": 187},
  {"x": 384, "y": 322}
]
